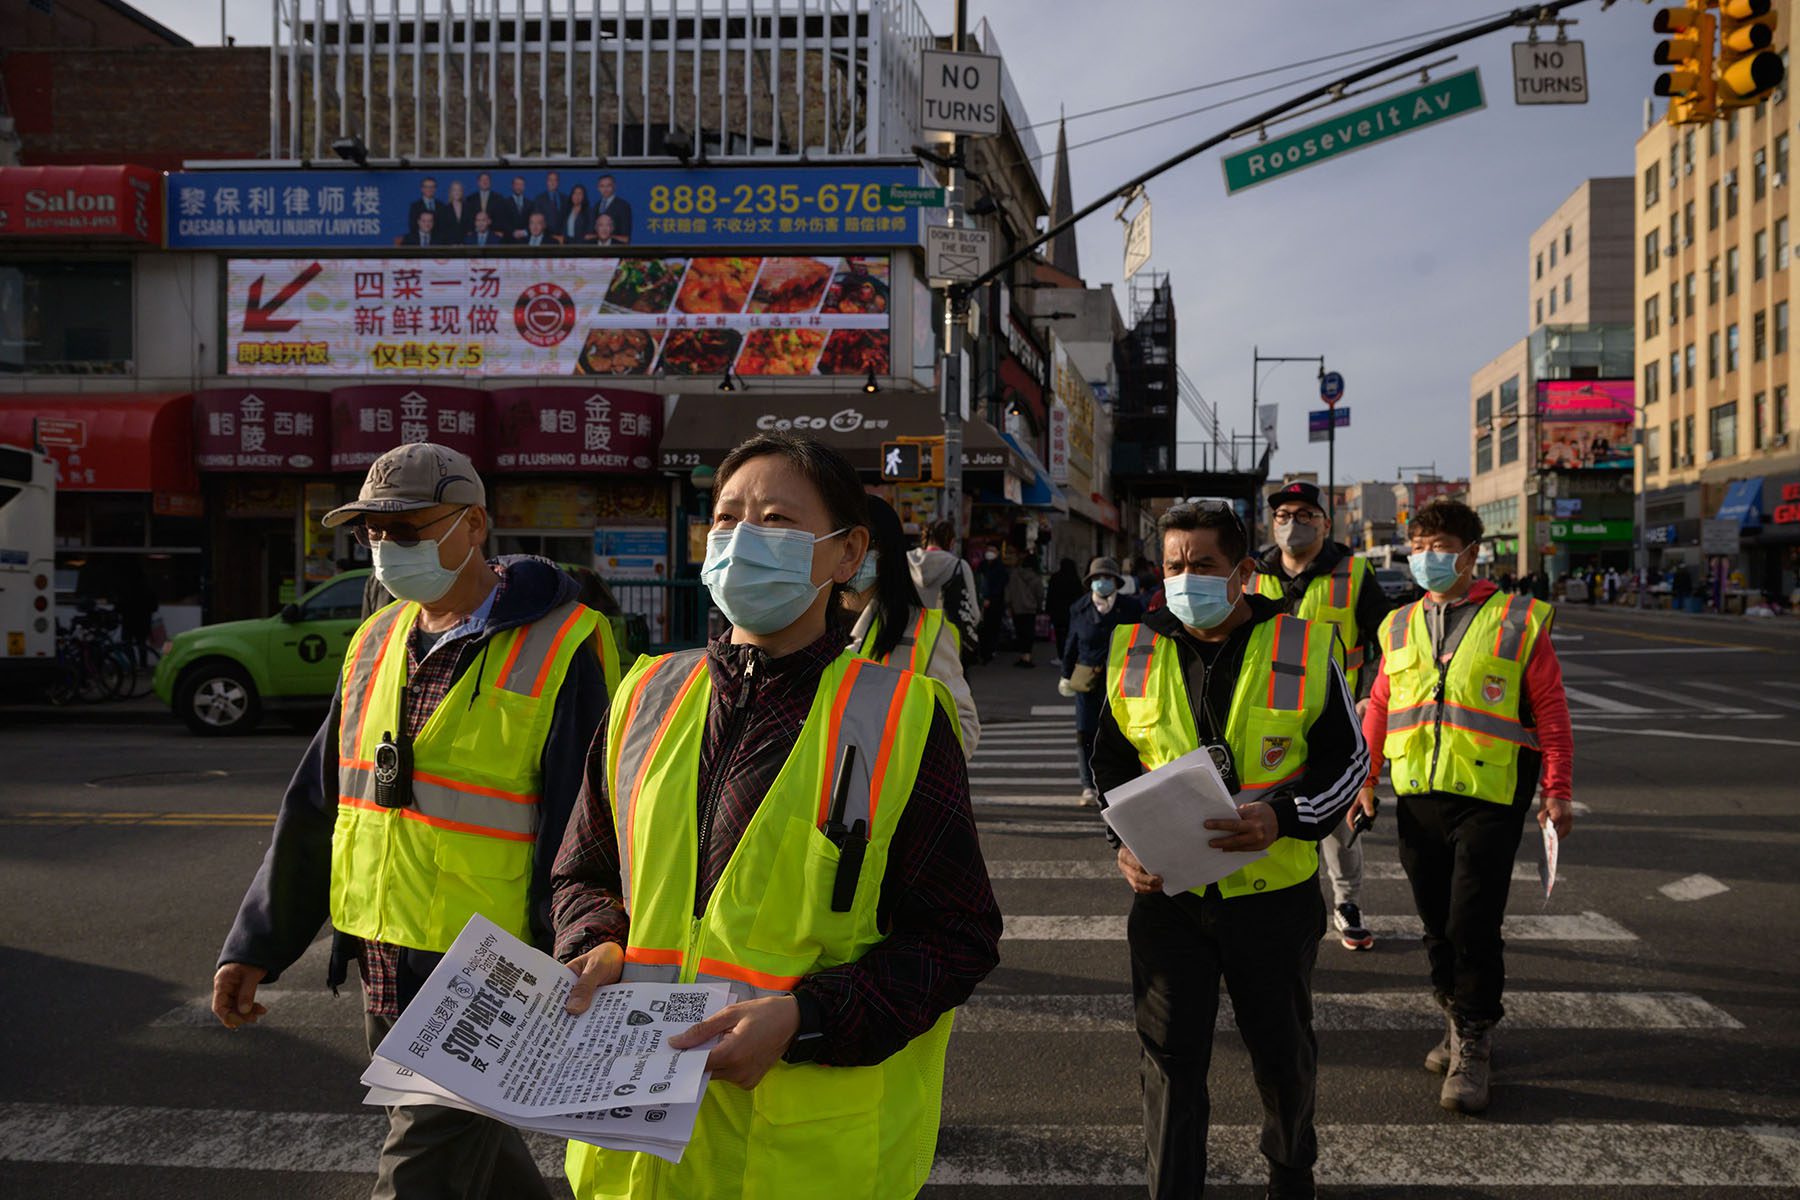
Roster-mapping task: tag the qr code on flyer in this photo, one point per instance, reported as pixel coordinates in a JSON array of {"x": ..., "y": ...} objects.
[{"x": 684, "y": 1008}]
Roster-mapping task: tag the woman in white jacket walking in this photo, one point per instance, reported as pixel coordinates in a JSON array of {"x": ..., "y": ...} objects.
[{"x": 895, "y": 628}]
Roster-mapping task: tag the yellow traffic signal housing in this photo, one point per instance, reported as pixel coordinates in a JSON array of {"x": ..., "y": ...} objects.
[
  {"x": 1748, "y": 66},
  {"x": 1690, "y": 87}
]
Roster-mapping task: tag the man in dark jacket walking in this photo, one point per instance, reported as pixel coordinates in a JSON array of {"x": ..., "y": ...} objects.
[
  {"x": 469, "y": 633},
  {"x": 1091, "y": 622}
]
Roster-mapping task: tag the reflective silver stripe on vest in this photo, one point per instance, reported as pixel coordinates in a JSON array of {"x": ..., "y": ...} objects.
[
  {"x": 656, "y": 695},
  {"x": 1399, "y": 627},
  {"x": 443, "y": 802},
  {"x": 1135, "y": 679},
  {"x": 903, "y": 649},
  {"x": 360, "y": 672},
  {"x": 650, "y": 973},
  {"x": 1353, "y": 658},
  {"x": 1340, "y": 583},
  {"x": 1287, "y": 679},
  {"x": 525, "y": 664},
  {"x": 1513, "y": 623},
  {"x": 1470, "y": 720},
  {"x": 872, "y": 694}
]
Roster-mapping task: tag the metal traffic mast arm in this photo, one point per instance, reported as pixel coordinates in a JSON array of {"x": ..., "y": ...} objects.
[{"x": 1531, "y": 14}]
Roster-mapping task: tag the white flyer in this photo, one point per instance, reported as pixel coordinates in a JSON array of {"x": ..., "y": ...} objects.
[
  {"x": 1547, "y": 868},
  {"x": 489, "y": 1027},
  {"x": 1159, "y": 816}
]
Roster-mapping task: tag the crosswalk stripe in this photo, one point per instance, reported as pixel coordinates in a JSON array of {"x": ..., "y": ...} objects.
[
  {"x": 1106, "y": 868},
  {"x": 1053, "y": 710},
  {"x": 984, "y": 779},
  {"x": 1020, "y": 752},
  {"x": 1067, "y": 798},
  {"x": 1462, "y": 1155},
  {"x": 1686, "y": 735},
  {"x": 1006, "y": 827},
  {"x": 1359, "y": 1011},
  {"x": 1694, "y": 887},
  {"x": 1737, "y": 691},
  {"x": 1663, "y": 691},
  {"x": 1524, "y": 927},
  {"x": 1602, "y": 703}
]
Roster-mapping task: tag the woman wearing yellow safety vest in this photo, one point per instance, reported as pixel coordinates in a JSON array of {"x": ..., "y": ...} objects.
[
  {"x": 774, "y": 813},
  {"x": 893, "y": 627},
  {"x": 1223, "y": 668}
]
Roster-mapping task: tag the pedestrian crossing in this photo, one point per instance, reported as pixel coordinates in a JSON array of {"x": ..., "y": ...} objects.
[{"x": 1595, "y": 694}]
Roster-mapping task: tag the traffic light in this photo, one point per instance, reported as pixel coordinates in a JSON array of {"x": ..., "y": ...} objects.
[
  {"x": 1748, "y": 67},
  {"x": 1689, "y": 50},
  {"x": 901, "y": 462}
]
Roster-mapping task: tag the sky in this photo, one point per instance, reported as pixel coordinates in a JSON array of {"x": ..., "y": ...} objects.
[{"x": 1404, "y": 264}]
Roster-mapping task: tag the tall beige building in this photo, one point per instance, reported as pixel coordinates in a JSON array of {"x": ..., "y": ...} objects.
[
  {"x": 1579, "y": 266},
  {"x": 1715, "y": 207}
]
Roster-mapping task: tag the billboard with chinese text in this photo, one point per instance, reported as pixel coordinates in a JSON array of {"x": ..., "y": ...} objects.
[
  {"x": 1585, "y": 423},
  {"x": 596, "y": 317},
  {"x": 535, "y": 212}
]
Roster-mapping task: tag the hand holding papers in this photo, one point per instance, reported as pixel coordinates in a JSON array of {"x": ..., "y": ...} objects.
[
  {"x": 1547, "y": 868},
  {"x": 1159, "y": 816},
  {"x": 488, "y": 1032}
]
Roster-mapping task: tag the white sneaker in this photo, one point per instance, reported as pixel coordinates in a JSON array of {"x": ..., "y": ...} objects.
[{"x": 1090, "y": 798}]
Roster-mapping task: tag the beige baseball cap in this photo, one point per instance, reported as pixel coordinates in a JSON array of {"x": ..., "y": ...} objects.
[{"x": 414, "y": 476}]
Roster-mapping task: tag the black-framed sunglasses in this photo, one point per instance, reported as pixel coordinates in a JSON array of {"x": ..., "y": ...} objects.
[
  {"x": 1215, "y": 505},
  {"x": 399, "y": 533}
]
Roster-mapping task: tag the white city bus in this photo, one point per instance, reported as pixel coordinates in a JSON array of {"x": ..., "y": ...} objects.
[{"x": 27, "y": 570}]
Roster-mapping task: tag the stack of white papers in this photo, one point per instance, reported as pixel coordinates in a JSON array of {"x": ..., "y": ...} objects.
[
  {"x": 1159, "y": 817},
  {"x": 488, "y": 1033}
]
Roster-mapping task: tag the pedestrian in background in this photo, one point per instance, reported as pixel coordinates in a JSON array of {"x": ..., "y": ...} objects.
[
  {"x": 399, "y": 828},
  {"x": 1060, "y": 594},
  {"x": 1313, "y": 577},
  {"x": 1469, "y": 712},
  {"x": 827, "y": 1075},
  {"x": 1091, "y": 622},
  {"x": 993, "y": 575},
  {"x": 1221, "y": 668},
  {"x": 895, "y": 629},
  {"x": 1025, "y": 597},
  {"x": 944, "y": 581}
]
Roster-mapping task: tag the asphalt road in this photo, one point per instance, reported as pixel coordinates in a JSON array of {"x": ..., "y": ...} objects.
[{"x": 1653, "y": 1045}]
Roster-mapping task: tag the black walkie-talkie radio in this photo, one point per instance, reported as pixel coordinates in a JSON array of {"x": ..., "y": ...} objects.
[{"x": 393, "y": 773}]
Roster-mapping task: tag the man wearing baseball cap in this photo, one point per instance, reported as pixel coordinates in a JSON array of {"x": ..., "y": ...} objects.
[
  {"x": 437, "y": 788},
  {"x": 1321, "y": 580}
]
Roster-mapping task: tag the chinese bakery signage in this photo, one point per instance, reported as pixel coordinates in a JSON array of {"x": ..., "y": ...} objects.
[
  {"x": 123, "y": 203},
  {"x": 262, "y": 429},
  {"x": 366, "y": 422},
  {"x": 591, "y": 317},
  {"x": 535, "y": 211},
  {"x": 575, "y": 429}
]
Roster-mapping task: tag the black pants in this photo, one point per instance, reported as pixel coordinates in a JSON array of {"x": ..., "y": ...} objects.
[
  {"x": 993, "y": 628},
  {"x": 1263, "y": 946},
  {"x": 1024, "y": 631},
  {"x": 1458, "y": 854},
  {"x": 436, "y": 1152}
]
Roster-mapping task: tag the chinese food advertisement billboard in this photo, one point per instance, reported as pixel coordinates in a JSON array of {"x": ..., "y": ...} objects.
[
  {"x": 596, "y": 317},
  {"x": 1585, "y": 423}
]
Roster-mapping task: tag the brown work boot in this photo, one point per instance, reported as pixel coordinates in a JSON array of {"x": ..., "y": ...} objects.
[
  {"x": 1471, "y": 1053},
  {"x": 1437, "y": 1059}
]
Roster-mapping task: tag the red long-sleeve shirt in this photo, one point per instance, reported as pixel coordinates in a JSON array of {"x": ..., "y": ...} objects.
[{"x": 1546, "y": 709}]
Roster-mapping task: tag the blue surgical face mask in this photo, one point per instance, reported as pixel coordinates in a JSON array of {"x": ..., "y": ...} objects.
[
  {"x": 761, "y": 578},
  {"x": 1199, "y": 601},
  {"x": 1435, "y": 570},
  {"x": 865, "y": 574},
  {"x": 1106, "y": 585},
  {"x": 414, "y": 572}
]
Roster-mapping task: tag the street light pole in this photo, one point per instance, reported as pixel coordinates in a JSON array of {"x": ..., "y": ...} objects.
[
  {"x": 1257, "y": 359},
  {"x": 956, "y": 304}
]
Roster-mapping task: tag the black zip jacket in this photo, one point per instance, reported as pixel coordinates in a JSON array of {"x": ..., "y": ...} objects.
[
  {"x": 289, "y": 898},
  {"x": 1337, "y": 761}
]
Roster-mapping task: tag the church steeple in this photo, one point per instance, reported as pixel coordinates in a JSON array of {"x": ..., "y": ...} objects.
[{"x": 1062, "y": 206}]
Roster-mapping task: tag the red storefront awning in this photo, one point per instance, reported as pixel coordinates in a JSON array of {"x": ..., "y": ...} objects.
[
  {"x": 121, "y": 203},
  {"x": 588, "y": 429},
  {"x": 129, "y": 442},
  {"x": 262, "y": 429},
  {"x": 366, "y": 422}
]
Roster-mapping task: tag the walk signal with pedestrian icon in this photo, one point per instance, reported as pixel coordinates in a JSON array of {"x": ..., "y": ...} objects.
[
  {"x": 1689, "y": 50},
  {"x": 1748, "y": 67},
  {"x": 902, "y": 461}
]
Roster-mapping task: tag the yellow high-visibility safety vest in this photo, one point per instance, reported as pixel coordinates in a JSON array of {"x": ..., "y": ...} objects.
[
  {"x": 806, "y": 1130},
  {"x": 1331, "y": 598},
  {"x": 413, "y": 876},
  {"x": 914, "y": 650},
  {"x": 1280, "y": 691},
  {"x": 1455, "y": 727}
]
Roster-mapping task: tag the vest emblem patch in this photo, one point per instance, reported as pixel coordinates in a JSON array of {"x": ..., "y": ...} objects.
[
  {"x": 1274, "y": 749},
  {"x": 1493, "y": 689}
]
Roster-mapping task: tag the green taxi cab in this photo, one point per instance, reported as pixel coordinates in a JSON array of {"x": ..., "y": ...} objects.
[{"x": 221, "y": 679}]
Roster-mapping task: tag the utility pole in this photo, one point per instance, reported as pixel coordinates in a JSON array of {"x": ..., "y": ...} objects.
[
  {"x": 956, "y": 307},
  {"x": 1257, "y": 359}
]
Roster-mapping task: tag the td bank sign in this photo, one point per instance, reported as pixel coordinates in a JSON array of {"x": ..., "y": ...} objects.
[
  {"x": 1454, "y": 96},
  {"x": 1590, "y": 531}
]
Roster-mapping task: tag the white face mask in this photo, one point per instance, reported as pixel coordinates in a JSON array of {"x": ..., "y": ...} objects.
[
  {"x": 414, "y": 572},
  {"x": 761, "y": 578}
]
